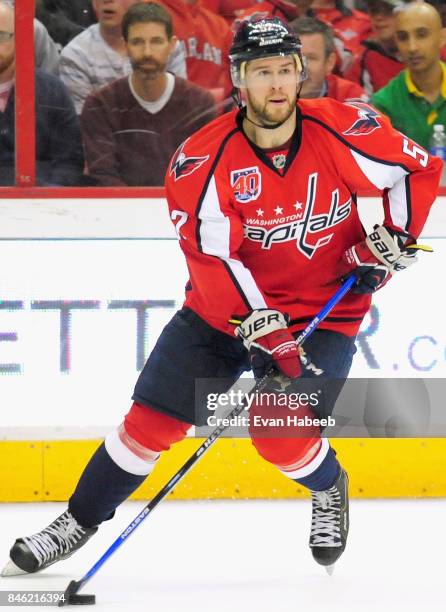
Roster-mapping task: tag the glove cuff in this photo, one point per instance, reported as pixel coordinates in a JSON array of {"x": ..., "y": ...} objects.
[{"x": 260, "y": 323}]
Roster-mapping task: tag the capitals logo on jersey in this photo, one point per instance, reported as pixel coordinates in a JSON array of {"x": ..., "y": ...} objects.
[
  {"x": 247, "y": 184},
  {"x": 302, "y": 231},
  {"x": 182, "y": 166},
  {"x": 367, "y": 122}
]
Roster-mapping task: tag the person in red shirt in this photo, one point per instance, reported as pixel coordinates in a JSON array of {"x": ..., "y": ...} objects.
[
  {"x": 227, "y": 8},
  {"x": 206, "y": 38},
  {"x": 377, "y": 61},
  {"x": 318, "y": 47},
  {"x": 263, "y": 200},
  {"x": 290, "y": 10},
  {"x": 352, "y": 25},
  {"x": 284, "y": 9}
]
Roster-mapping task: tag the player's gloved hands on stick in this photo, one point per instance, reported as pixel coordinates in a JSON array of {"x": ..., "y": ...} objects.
[
  {"x": 266, "y": 335},
  {"x": 375, "y": 260}
]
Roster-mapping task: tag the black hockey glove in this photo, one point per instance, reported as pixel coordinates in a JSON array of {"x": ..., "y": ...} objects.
[
  {"x": 266, "y": 335},
  {"x": 375, "y": 260}
]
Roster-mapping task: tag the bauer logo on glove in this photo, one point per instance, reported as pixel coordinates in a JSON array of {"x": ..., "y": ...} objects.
[
  {"x": 270, "y": 344},
  {"x": 378, "y": 257}
]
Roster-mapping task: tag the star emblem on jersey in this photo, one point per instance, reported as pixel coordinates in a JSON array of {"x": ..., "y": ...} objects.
[
  {"x": 298, "y": 206},
  {"x": 182, "y": 165},
  {"x": 279, "y": 161},
  {"x": 247, "y": 184},
  {"x": 259, "y": 212},
  {"x": 367, "y": 122},
  {"x": 278, "y": 210}
]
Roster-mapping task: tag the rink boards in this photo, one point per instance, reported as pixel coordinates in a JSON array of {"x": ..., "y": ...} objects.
[
  {"x": 48, "y": 471},
  {"x": 86, "y": 291}
]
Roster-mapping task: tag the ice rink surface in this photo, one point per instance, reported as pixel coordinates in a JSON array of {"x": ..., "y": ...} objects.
[{"x": 243, "y": 556}]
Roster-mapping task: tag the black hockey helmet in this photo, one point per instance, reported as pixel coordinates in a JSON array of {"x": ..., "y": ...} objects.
[{"x": 262, "y": 37}]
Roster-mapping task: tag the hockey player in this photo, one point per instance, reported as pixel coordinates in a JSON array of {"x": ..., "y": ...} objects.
[{"x": 264, "y": 204}]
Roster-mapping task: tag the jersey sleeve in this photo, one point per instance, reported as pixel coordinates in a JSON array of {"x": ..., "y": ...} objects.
[
  {"x": 210, "y": 234},
  {"x": 377, "y": 156}
]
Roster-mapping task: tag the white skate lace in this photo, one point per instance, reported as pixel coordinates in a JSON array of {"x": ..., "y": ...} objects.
[
  {"x": 57, "y": 538},
  {"x": 325, "y": 523}
]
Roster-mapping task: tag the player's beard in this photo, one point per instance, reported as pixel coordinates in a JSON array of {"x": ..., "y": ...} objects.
[{"x": 269, "y": 115}]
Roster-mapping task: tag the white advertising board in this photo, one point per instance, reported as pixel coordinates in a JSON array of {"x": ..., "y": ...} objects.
[{"x": 81, "y": 310}]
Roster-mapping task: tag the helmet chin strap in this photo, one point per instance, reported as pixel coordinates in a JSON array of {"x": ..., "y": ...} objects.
[{"x": 243, "y": 110}]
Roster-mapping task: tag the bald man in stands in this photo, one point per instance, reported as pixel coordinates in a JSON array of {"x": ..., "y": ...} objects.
[{"x": 415, "y": 100}]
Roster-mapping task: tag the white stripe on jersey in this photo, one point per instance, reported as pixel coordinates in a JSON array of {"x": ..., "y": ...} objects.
[
  {"x": 398, "y": 203},
  {"x": 385, "y": 176},
  {"x": 247, "y": 284},
  {"x": 215, "y": 228},
  {"x": 215, "y": 232}
]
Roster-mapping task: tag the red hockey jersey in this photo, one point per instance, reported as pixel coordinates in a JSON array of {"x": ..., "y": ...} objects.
[
  {"x": 226, "y": 8},
  {"x": 353, "y": 27},
  {"x": 373, "y": 68},
  {"x": 256, "y": 236},
  {"x": 275, "y": 8},
  {"x": 206, "y": 39},
  {"x": 344, "y": 90}
]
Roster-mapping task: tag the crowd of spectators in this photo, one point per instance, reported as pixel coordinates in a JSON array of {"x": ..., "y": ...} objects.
[{"x": 121, "y": 83}]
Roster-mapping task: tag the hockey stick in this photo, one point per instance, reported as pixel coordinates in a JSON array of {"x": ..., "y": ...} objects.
[{"x": 70, "y": 595}]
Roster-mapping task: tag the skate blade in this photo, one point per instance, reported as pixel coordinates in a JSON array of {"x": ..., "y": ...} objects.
[
  {"x": 11, "y": 569},
  {"x": 329, "y": 569}
]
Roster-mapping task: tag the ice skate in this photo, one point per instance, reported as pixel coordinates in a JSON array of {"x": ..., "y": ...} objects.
[
  {"x": 330, "y": 523},
  {"x": 56, "y": 542}
]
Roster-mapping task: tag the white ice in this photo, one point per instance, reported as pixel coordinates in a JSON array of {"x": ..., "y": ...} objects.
[{"x": 243, "y": 556}]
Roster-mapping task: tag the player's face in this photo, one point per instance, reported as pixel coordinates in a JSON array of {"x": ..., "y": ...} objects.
[
  {"x": 419, "y": 37},
  {"x": 383, "y": 20},
  {"x": 111, "y": 12},
  {"x": 271, "y": 88},
  {"x": 7, "y": 44},
  {"x": 319, "y": 65},
  {"x": 148, "y": 48}
]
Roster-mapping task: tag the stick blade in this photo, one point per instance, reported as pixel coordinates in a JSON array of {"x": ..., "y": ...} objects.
[{"x": 71, "y": 597}]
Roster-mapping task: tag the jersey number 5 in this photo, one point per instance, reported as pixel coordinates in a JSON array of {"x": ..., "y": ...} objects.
[
  {"x": 416, "y": 152},
  {"x": 179, "y": 218}
]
